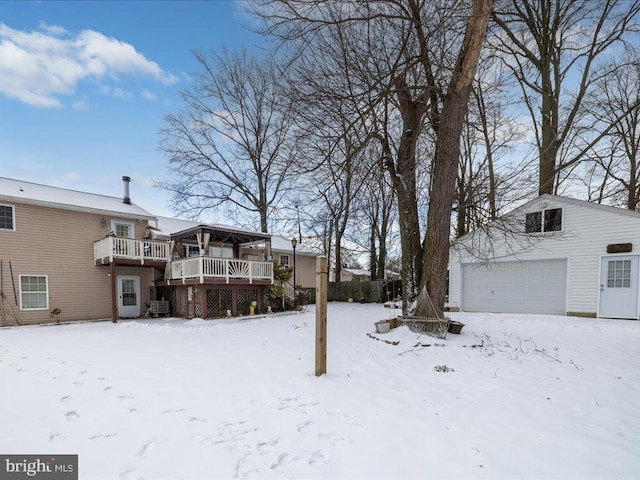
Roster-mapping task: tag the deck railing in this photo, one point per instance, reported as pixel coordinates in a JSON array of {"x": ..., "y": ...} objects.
[
  {"x": 223, "y": 268},
  {"x": 131, "y": 249}
]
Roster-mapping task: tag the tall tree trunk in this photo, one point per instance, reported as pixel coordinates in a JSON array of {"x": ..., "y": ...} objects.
[
  {"x": 445, "y": 162},
  {"x": 547, "y": 173},
  {"x": 373, "y": 254}
]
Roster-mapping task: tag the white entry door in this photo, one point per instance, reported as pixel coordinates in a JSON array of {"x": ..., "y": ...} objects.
[
  {"x": 128, "y": 296},
  {"x": 619, "y": 287}
]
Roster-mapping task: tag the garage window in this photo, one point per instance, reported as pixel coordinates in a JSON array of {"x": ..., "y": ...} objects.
[{"x": 549, "y": 220}]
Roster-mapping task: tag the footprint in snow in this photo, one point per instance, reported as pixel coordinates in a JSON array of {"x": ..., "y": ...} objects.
[
  {"x": 318, "y": 458},
  {"x": 147, "y": 448},
  {"x": 65, "y": 399},
  {"x": 196, "y": 419},
  {"x": 72, "y": 416},
  {"x": 336, "y": 439},
  {"x": 304, "y": 425}
]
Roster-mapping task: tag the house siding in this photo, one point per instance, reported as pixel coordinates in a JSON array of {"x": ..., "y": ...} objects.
[
  {"x": 587, "y": 230},
  {"x": 59, "y": 243}
]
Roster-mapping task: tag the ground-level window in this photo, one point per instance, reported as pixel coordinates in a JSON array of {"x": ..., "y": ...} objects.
[
  {"x": 34, "y": 292},
  {"x": 284, "y": 261},
  {"x": 7, "y": 217}
]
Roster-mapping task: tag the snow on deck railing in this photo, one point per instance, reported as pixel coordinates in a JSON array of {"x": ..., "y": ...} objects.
[
  {"x": 224, "y": 268},
  {"x": 131, "y": 249}
]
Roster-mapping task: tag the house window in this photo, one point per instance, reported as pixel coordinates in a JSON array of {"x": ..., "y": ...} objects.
[
  {"x": 7, "y": 217},
  {"x": 533, "y": 222},
  {"x": 34, "y": 292},
  {"x": 549, "y": 220},
  {"x": 122, "y": 229},
  {"x": 619, "y": 274},
  {"x": 191, "y": 251},
  {"x": 221, "y": 252},
  {"x": 284, "y": 261}
]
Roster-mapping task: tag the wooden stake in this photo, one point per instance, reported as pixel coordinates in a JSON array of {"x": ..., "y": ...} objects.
[{"x": 321, "y": 315}]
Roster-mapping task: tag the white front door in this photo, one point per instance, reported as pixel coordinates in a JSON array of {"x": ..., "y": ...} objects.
[
  {"x": 619, "y": 287},
  {"x": 128, "y": 296}
]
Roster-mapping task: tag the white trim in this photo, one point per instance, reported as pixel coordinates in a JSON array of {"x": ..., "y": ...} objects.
[
  {"x": 599, "y": 280},
  {"x": 46, "y": 281},
  {"x": 13, "y": 218},
  {"x": 123, "y": 310},
  {"x": 542, "y": 221}
]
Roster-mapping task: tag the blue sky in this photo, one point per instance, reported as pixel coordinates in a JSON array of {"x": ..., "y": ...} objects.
[{"x": 84, "y": 87}]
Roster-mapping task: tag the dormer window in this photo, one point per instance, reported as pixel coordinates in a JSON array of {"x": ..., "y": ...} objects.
[{"x": 549, "y": 220}]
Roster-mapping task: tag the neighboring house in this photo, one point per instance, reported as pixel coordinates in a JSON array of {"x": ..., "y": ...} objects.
[
  {"x": 95, "y": 257},
  {"x": 305, "y": 260},
  {"x": 553, "y": 255},
  {"x": 356, "y": 274}
]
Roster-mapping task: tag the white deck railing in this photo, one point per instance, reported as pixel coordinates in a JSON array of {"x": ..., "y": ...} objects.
[
  {"x": 223, "y": 268},
  {"x": 131, "y": 249}
]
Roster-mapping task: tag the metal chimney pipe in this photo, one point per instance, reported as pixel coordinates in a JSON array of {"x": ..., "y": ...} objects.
[{"x": 126, "y": 198}]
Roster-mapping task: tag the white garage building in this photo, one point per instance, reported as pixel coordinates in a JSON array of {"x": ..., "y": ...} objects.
[{"x": 553, "y": 255}]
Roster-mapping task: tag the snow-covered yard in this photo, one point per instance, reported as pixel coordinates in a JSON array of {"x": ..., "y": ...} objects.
[{"x": 543, "y": 396}]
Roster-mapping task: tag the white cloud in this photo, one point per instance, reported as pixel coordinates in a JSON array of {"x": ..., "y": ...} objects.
[
  {"x": 40, "y": 66},
  {"x": 53, "y": 30},
  {"x": 80, "y": 105},
  {"x": 148, "y": 95},
  {"x": 115, "y": 92}
]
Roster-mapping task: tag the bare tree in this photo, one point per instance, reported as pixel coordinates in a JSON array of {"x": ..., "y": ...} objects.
[
  {"x": 230, "y": 143},
  {"x": 402, "y": 53},
  {"x": 445, "y": 161},
  {"x": 552, "y": 48},
  {"x": 617, "y": 159},
  {"x": 486, "y": 177}
]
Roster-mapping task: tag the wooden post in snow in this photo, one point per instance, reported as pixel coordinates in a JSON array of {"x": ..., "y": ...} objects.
[{"x": 321, "y": 315}]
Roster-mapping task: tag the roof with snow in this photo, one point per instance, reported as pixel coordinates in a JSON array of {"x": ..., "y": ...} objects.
[
  {"x": 283, "y": 244},
  {"x": 19, "y": 191},
  {"x": 574, "y": 201},
  {"x": 178, "y": 227}
]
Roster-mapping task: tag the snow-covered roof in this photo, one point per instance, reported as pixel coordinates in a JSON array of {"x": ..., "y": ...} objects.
[
  {"x": 283, "y": 244},
  {"x": 574, "y": 201},
  {"x": 19, "y": 191},
  {"x": 357, "y": 271},
  {"x": 167, "y": 226},
  {"x": 365, "y": 273}
]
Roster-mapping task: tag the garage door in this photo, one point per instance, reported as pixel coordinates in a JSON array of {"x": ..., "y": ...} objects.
[{"x": 534, "y": 286}]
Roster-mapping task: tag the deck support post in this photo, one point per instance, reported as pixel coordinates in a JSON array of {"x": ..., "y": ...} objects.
[
  {"x": 203, "y": 301},
  {"x": 259, "y": 305},
  {"x": 114, "y": 293},
  {"x": 234, "y": 301}
]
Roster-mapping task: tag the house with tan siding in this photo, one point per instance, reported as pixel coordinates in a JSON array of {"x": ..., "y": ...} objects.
[
  {"x": 99, "y": 257},
  {"x": 553, "y": 255}
]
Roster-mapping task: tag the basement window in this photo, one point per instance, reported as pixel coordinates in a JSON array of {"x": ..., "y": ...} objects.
[
  {"x": 549, "y": 220},
  {"x": 34, "y": 292}
]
